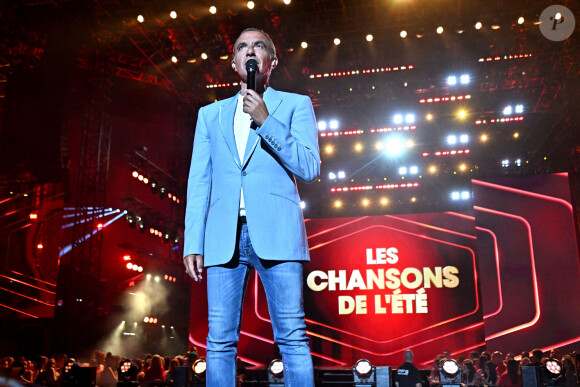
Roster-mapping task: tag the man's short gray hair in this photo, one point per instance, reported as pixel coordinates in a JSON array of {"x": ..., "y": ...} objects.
[{"x": 272, "y": 47}]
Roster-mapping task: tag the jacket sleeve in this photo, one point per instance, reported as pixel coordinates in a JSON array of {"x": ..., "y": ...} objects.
[
  {"x": 297, "y": 144},
  {"x": 198, "y": 189}
]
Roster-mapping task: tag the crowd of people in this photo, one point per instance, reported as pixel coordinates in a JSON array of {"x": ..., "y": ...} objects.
[
  {"x": 45, "y": 371},
  {"x": 495, "y": 369},
  {"x": 479, "y": 369}
]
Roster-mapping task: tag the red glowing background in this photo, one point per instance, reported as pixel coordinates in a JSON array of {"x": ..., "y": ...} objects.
[{"x": 507, "y": 256}]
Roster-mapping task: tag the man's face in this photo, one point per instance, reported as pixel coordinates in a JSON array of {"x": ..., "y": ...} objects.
[{"x": 253, "y": 45}]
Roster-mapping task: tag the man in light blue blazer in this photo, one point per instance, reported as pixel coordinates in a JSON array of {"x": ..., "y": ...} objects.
[{"x": 243, "y": 211}]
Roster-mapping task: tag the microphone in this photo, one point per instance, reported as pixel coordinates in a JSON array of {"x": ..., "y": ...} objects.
[{"x": 251, "y": 69}]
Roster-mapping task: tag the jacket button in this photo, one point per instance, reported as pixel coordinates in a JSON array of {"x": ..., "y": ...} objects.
[
  {"x": 279, "y": 149},
  {"x": 244, "y": 173}
]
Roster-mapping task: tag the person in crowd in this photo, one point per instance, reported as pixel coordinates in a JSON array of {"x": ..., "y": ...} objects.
[
  {"x": 48, "y": 375},
  {"x": 156, "y": 371},
  {"x": 490, "y": 375},
  {"x": 434, "y": 376},
  {"x": 108, "y": 376},
  {"x": 497, "y": 359},
  {"x": 511, "y": 377},
  {"x": 170, "y": 374},
  {"x": 468, "y": 373},
  {"x": 569, "y": 366},
  {"x": 407, "y": 374},
  {"x": 525, "y": 362},
  {"x": 537, "y": 356}
]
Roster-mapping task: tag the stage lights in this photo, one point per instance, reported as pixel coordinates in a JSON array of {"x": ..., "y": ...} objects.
[
  {"x": 127, "y": 373},
  {"x": 276, "y": 372},
  {"x": 412, "y": 170},
  {"x": 173, "y": 15},
  {"x": 552, "y": 371},
  {"x": 439, "y": 30},
  {"x": 403, "y": 34},
  {"x": 363, "y": 372},
  {"x": 287, "y": 2},
  {"x": 460, "y": 195},
  {"x": 198, "y": 367},
  {"x": 394, "y": 146},
  {"x": 369, "y": 38},
  {"x": 328, "y": 149},
  {"x": 304, "y": 45},
  {"x": 408, "y": 118},
  {"x": 150, "y": 320},
  {"x": 134, "y": 267},
  {"x": 478, "y": 25},
  {"x": 484, "y": 138},
  {"x": 507, "y": 110},
  {"x": 140, "y": 19},
  {"x": 505, "y": 163},
  {"x": 333, "y": 124},
  {"x": 449, "y": 372},
  {"x": 322, "y": 125},
  {"x": 452, "y": 139},
  {"x": 302, "y": 204},
  {"x": 336, "y": 41},
  {"x": 463, "y": 79},
  {"x": 337, "y": 204},
  {"x": 521, "y": 20},
  {"x": 251, "y": 5},
  {"x": 212, "y": 10}
]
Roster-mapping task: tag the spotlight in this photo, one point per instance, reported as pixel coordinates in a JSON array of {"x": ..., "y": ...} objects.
[
  {"x": 507, "y": 110},
  {"x": 358, "y": 147},
  {"x": 455, "y": 195},
  {"x": 465, "y": 195},
  {"x": 198, "y": 367},
  {"x": 369, "y": 38},
  {"x": 402, "y": 171},
  {"x": 432, "y": 169},
  {"x": 478, "y": 25},
  {"x": 276, "y": 372},
  {"x": 452, "y": 139},
  {"x": 484, "y": 138},
  {"x": 452, "y": 80},
  {"x": 365, "y": 202},
  {"x": 552, "y": 372},
  {"x": 520, "y": 20},
  {"x": 251, "y": 5},
  {"x": 398, "y": 119},
  {"x": 127, "y": 373},
  {"x": 414, "y": 170},
  {"x": 174, "y": 60},
  {"x": 429, "y": 117},
  {"x": 519, "y": 109},
  {"x": 333, "y": 124},
  {"x": 439, "y": 30},
  {"x": 322, "y": 125},
  {"x": 302, "y": 204},
  {"x": 403, "y": 34},
  {"x": 140, "y": 19},
  {"x": 409, "y": 118},
  {"x": 384, "y": 201},
  {"x": 173, "y": 15},
  {"x": 212, "y": 9},
  {"x": 304, "y": 45},
  {"x": 332, "y": 175},
  {"x": 363, "y": 372},
  {"x": 505, "y": 163},
  {"x": 449, "y": 372},
  {"x": 464, "y": 79},
  {"x": 394, "y": 146},
  {"x": 464, "y": 139},
  {"x": 462, "y": 114},
  {"x": 341, "y": 174},
  {"x": 336, "y": 41},
  {"x": 338, "y": 204},
  {"x": 328, "y": 149},
  {"x": 203, "y": 56},
  {"x": 287, "y": 2}
]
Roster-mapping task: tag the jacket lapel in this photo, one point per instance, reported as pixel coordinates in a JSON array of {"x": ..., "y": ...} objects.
[
  {"x": 226, "y": 118},
  {"x": 272, "y": 100}
]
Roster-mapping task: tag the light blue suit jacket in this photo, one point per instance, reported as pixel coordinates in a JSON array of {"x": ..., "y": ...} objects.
[{"x": 285, "y": 147}]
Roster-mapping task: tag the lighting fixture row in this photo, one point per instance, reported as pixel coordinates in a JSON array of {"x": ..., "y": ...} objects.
[{"x": 155, "y": 186}]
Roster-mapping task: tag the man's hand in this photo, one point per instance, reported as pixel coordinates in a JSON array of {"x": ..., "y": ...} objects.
[
  {"x": 255, "y": 106},
  {"x": 194, "y": 266}
]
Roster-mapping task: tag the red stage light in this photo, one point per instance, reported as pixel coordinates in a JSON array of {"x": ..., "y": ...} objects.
[
  {"x": 126, "y": 257},
  {"x": 33, "y": 216},
  {"x": 100, "y": 226},
  {"x": 40, "y": 246}
]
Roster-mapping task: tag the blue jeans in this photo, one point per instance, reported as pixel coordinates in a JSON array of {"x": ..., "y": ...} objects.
[{"x": 226, "y": 286}]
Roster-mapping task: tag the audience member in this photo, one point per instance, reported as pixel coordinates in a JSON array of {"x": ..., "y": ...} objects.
[
  {"x": 497, "y": 359},
  {"x": 156, "y": 371},
  {"x": 489, "y": 374},
  {"x": 469, "y": 377},
  {"x": 536, "y": 358},
  {"x": 511, "y": 377},
  {"x": 570, "y": 371}
]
